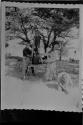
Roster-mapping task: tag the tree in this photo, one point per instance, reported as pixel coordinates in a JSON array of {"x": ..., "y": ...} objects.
[
  {"x": 21, "y": 24},
  {"x": 59, "y": 22},
  {"x": 30, "y": 24},
  {"x": 17, "y": 23},
  {"x": 54, "y": 21}
]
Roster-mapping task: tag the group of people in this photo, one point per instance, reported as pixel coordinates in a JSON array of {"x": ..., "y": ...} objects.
[{"x": 31, "y": 58}]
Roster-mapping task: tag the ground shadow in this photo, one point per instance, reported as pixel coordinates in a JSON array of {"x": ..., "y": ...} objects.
[
  {"x": 52, "y": 86},
  {"x": 14, "y": 72}
]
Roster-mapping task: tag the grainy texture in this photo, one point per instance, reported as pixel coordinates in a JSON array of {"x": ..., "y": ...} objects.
[{"x": 51, "y": 36}]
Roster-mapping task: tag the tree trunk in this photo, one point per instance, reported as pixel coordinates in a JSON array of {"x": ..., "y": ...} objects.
[
  {"x": 60, "y": 56},
  {"x": 45, "y": 48},
  {"x": 32, "y": 68}
]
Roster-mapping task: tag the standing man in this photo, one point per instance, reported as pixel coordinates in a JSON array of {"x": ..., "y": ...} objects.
[{"x": 27, "y": 60}]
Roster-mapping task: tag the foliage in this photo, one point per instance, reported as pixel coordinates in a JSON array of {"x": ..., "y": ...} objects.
[
  {"x": 60, "y": 21},
  {"x": 30, "y": 24}
]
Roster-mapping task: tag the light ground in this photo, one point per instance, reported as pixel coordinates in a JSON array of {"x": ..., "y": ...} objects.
[{"x": 19, "y": 94}]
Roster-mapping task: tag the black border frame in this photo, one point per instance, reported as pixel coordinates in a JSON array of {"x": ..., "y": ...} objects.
[{"x": 48, "y": 1}]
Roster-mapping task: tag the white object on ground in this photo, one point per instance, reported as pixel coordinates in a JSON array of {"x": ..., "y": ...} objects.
[{"x": 65, "y": 80}]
